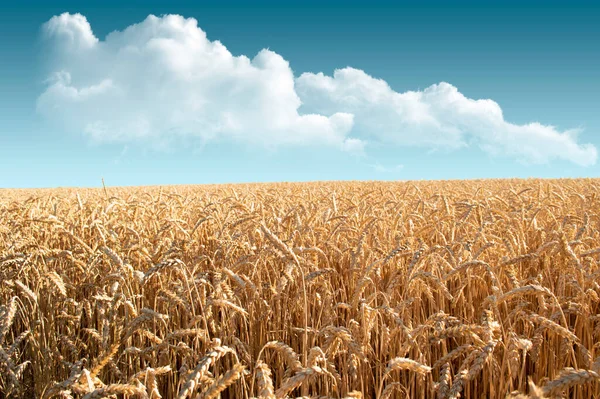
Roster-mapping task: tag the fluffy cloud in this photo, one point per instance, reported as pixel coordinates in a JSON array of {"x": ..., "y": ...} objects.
[
  {"x": 162, "y": 79},
  {"x": 72, "y": 31},
  {"x": 437, "y": 117}
]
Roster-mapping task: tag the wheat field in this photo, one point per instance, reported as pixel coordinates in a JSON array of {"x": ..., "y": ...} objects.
[{"x": 473, "y": 289}]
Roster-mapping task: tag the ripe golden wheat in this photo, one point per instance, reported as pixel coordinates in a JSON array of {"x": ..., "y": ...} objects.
[{"x": 319, "y": 290}]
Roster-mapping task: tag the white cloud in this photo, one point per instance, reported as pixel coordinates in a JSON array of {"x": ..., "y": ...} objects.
[
  {"x": 73, "y": 31},
  {"x": 438, "y": 117},
  {"x": 162, "y": 79}
]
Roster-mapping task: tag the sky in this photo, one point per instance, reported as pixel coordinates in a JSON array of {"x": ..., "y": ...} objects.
[{"x": 156, "y": 93}]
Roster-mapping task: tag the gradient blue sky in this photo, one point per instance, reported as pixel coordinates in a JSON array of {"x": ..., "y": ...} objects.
[{"x": 540, "y": 61}]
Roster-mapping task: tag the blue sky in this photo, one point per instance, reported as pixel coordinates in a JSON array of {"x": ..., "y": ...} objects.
[{"x": 136, "y": 109}]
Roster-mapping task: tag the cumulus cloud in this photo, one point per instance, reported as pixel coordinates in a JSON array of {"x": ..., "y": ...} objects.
[
  {"x": 437, "y": 117},
  {"x": 72, "y": 31},
  {"x": 163, "y": 78}
]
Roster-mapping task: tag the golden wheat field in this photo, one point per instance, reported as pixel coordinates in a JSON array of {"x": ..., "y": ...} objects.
[{"x": 474, "y": 289}]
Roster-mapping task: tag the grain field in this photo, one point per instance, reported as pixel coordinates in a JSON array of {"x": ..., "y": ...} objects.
[{"x": 472, "y": 289}]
